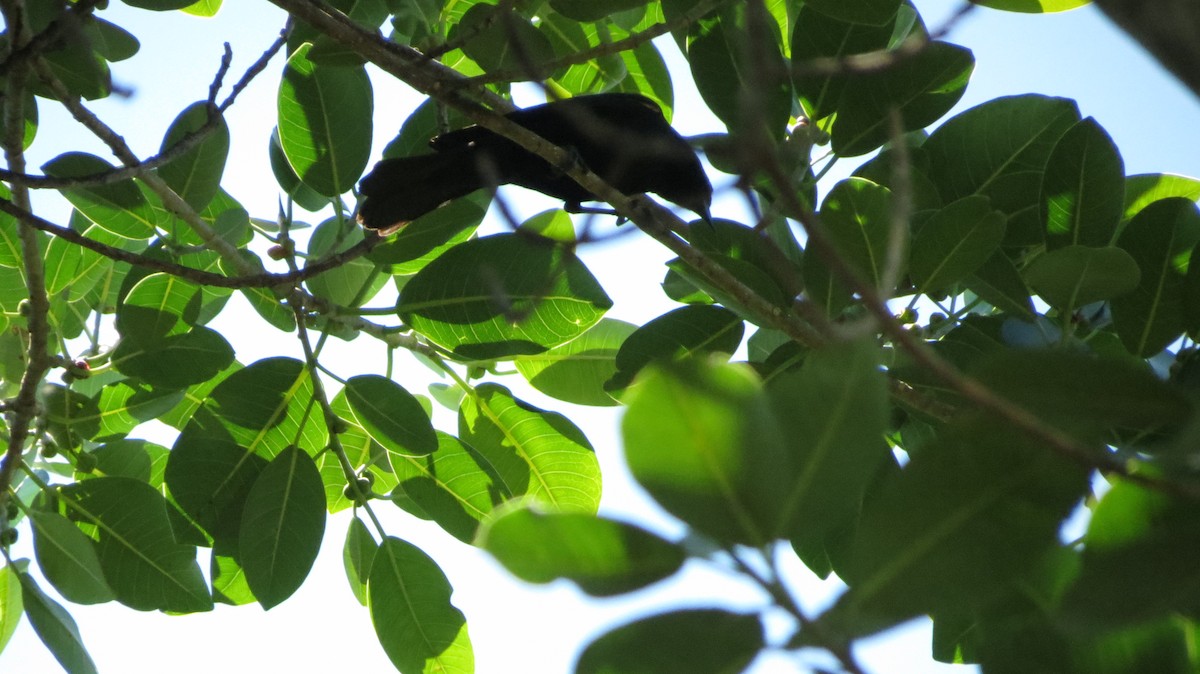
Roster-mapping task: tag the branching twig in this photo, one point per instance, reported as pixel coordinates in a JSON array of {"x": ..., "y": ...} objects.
[
  {"x": 172, "y": 201},
  {"x": 25, "y": 406},
  {"x": 185, "y": 144},
  {"x": 46, "y": 40}
]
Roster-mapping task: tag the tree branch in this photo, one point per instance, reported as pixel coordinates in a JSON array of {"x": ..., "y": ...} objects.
[{"x": 25, "y": 406}]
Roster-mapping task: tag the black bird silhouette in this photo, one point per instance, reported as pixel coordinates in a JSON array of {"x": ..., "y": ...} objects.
[{"x": 623, "y": 138}]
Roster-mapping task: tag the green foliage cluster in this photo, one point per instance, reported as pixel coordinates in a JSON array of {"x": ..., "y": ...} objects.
[{"x": 929, "y": 462}]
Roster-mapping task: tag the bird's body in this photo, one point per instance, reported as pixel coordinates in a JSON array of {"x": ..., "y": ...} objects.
[{"x": 623, "y": 138}]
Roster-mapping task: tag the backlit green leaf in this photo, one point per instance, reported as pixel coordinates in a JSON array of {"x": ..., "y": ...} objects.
[
  {"x": 144, "y": 566},
  {"x": 195, "y": 175},
  {"x": 282, "y": 525},
  {"x": 534, "y": 452},
  {"x": 604, "y": 557},
  {"x": 701, "y": 438},
  {"x": 456, "y": 486},
  {"x": 55, "y": 627},
  {"x": 418, "y": 627},
  {"x": 325, "y": 123},
  {"x": 576, "y": 371},
  {"x": 503, "y": 295},
  {"x": 693, "y": 641},
  {"x": 119, "y": 208},
  {"x": 391, "y": 415},
  {"x": 68, "y": 559}
]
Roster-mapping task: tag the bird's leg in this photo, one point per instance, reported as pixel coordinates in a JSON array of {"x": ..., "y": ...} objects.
[{"x": 576, "y": 207}]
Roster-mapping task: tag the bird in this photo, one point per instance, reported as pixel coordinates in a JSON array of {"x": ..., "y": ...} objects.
[{"x": 621, "y": 137}]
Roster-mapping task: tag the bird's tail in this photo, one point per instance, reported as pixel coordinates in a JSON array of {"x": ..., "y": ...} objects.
[{"x": 400, "y": 190}]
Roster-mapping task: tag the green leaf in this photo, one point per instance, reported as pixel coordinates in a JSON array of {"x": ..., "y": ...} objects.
[
  {"x": 204, "y": 8},
  {"x": 456, "y": 486},
  {"x": 500, "y": 39},
  {"x": 1152, "y": 316},
  {"x": 362, "y": 452},
  {"x": 424, "y": 239},
  {"x": 325, "y": 123},
  {"x": 418, "y": 627},
  {"x": 697, "y": 329},
  {"x": 647, "y": 74},
  {"x": 593, "y": 10},
  {"x": 267, "y": 406},
  {"x": 210, "y": 479},
  {"x": 604, "y": 557},
  {"x": 228, "y": 578},
  {"x": 11, "y": 606},
  {"x": 72, "y": 416},
  {"x": 350, "y": 284},
  {"x": 391, "y": 415},
  {"x": 869, "y": 12},
  {"x": 358, "y": 554},
  {"x": 119, "y": 208},
  {"x": 834, "y": 412},
  {"x": 721, "y": 67},
  {"x": 999, "y": 149},
  {"x": 1071, "y": 277},
  {"x": 1139, "y": 561},
  {"x": 567, "y": 36},
  {"x": 958, "y": 528},
  {"x": 503, "y": 295},
  {"x": 125, "y": 405},
  {"x": 818, "y": 35},
  {"x": 700, "y": 436},
  {"x": 55, "y": 628},
  {"x": 576, "y": 371},
  {"x": 158, "y": 305},
  {"x": 81, "y": 69},
  {"x": 857, "y": 216},
  {"x": 920, "y": 89},
  {"x": 693, "y": 641},
  {"x": 196, "y": 174},
  {"x": 177, "y": 361},
  {"x": 1084, "y": 393},
  {"x": 303, "y": 195},
  {"x": 954, "y": 243},
  {"x": 144, "y": 566},
  {"x": 534, "y": 452},
  {"x": 282, "y": 525},
  {"x": 68, "y": 559},
  {"x": 159, "y": 5},
  {"x": 138, "y": 459},
  {"x": 998, "y": 283},
  {"x": 1083, "y": 188},
  {"x": 1144, "y": 189},
  {"x": 10, "y": 241},
  {"x": 1033, "y": 6}
]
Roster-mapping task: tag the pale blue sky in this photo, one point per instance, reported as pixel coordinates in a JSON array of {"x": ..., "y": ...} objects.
[{"x": 517, "y": 627}]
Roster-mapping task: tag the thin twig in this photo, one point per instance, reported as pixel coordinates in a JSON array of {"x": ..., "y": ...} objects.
[{"x": 185, "y": 144}]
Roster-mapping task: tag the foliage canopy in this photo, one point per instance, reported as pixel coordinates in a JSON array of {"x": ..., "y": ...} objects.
[{"x": 929, "y": 461}]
